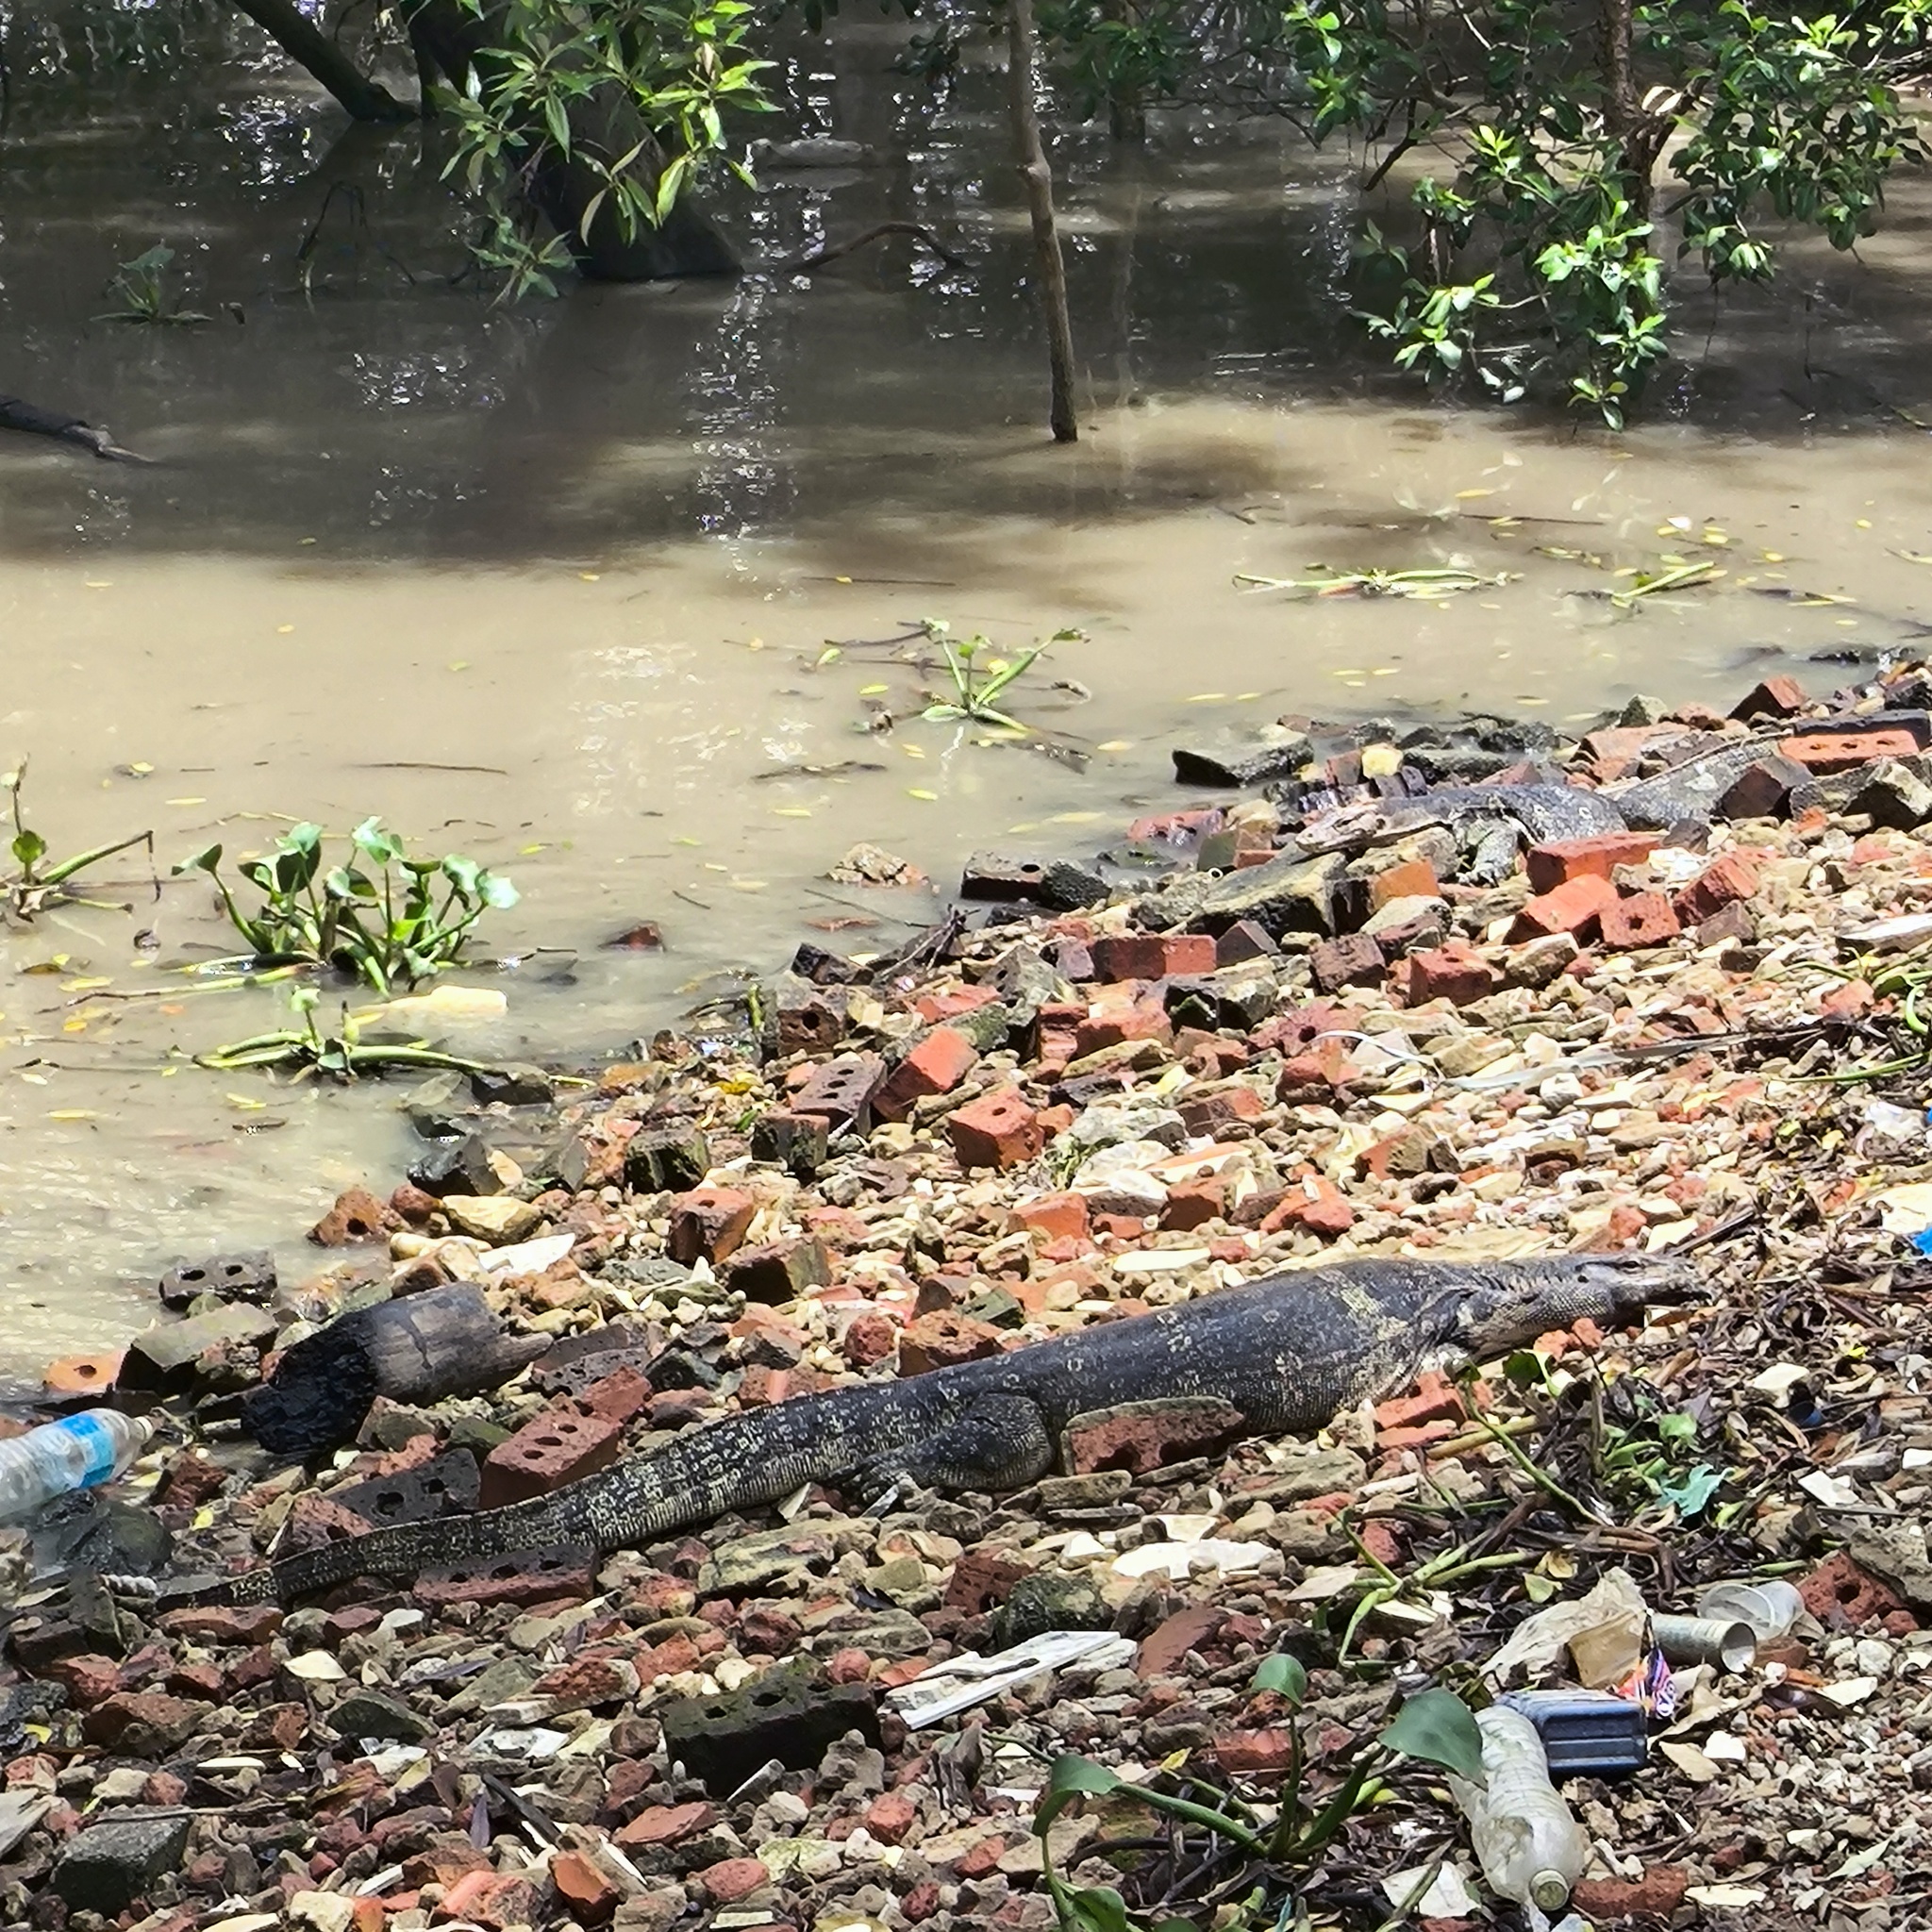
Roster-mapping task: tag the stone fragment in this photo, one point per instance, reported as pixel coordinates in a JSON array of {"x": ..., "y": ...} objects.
[
  {"x": 1893, "y": 795},
  {"x": 366, "y": 1713},
  {"x": 105, "y": 1868},
  {"x": 162, "y": 1359},
  {"x": 498, "y": 1219}
]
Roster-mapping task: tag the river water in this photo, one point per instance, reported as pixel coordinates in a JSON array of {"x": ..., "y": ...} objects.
[{"x": 555, "y": 586}]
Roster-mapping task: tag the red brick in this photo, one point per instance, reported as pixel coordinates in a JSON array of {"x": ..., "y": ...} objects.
[
  {"x": 1436, "y": 1399},
  {"x": 869, "y": 1339},
  {"x": 1193, "y": 1203},
  {"x": 999, "y": 1131},
  {"x": 357, "y": 1216},
  {"x": 1117, "y": 1015},
  {"x": 1454, "y": 973},
  {"x": 1254, "y": 1754},
  {"x": 1642, "y": 919},
  {"x": 709, "y": 1224},
  {"x": 1052, "y": 1217},
  {"x": 1842, "y": 1596},
  {"x": 1655, "y": 1895},
  {"x": 732, "y": 1879},
  {"x": 1224, "y": 1109},
  {"x": 224, "y": 1623},
  {"x": 982, "y": 1577},
  {"x": 890, "y": 1815},
  {"x": 936, "y": 1064},
  {"x": 144, "y": 1724},
  {"x": 1313, "y": 1204},
  {"x": 943, "y": 1340},
  {"x": 668, "y": 1824},
  {"x": 1152, "y": 955},
  {"x": 950, "y": 1002},
  {"x": 778, "y": 1272},
  {"x": 1776, "y": 697},
  {"x": 1415, "y": 878},
  {"x": 618, "y": 1396},
  {"x": 89, "y": 1679},
  {"x": 1725, "y": 881},
  {"x": 1354, "y": 960},
  {"x": 1574, "y": 906},
  {"x": 1763, "y": 789},
  {"x": 1846, "y": 751},
  {"x": 1563, "y": 859},
  {"x": 1149, "y": 1434},
  {"x": 496, "y": 1900},
  {"x": 1166, "y": 1647},
  {"x": 190, "y": 1480},
  {"x": 587, "y": 1894},
  {"x": 1850, "y": 1001},
  {"x": 412, "y": 1206},
  {"x": 555, "y": 1447},
  {"x": 920, "y": 1903},
  {"x": 1624, "y": 740},
  {"x": 82, "y": 1374}
]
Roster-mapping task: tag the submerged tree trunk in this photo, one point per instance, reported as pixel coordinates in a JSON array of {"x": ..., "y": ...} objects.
[
  {"x": 303, "y": 41},
  {"x": 684, "y": 243},
  {"x": 1022, "y": 70}
]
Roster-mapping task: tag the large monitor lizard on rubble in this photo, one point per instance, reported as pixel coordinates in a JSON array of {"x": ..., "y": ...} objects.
[{"x": 1289, "y": 1352}]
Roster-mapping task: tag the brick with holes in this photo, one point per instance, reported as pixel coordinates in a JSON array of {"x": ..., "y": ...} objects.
[{"x": 555, "y": 1447}]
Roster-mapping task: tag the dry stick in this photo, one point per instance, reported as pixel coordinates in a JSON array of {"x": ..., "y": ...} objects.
[
  {"x": 1023, "y": 80},
  {"x": 832, "y": 251}
]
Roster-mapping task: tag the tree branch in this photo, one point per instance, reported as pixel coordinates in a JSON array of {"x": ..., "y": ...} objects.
[{"x": 303, "y": 41}]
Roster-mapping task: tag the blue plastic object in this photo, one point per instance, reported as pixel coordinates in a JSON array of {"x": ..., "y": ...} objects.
[{"x": 1585, "y": 1732}]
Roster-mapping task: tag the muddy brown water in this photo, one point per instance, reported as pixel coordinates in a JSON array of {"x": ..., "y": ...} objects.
[{"x": 554, "y": 586}]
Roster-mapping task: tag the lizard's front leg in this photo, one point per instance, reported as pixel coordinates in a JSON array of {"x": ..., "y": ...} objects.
[{"x": 999, "y": 1443}]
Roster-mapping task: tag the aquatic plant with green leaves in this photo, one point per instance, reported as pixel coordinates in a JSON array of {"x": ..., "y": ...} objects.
[
  {"x": 42, "y": 879},
  {"x": 140, "y": 288},
  {"x": 304, "y": 1049},
  {"x": 381, "y": 916},
  {"x": 979, "y": 677},
  {"x": 1223, "y": 1858}
]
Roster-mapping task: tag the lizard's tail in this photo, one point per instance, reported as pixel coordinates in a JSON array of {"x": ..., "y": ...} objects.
[{"x": 738, "y": 1463}]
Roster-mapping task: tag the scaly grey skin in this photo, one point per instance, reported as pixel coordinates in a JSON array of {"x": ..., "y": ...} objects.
[
  {"x": 1541, "y": 811},
  {"x": 1287, "y": 1351}
]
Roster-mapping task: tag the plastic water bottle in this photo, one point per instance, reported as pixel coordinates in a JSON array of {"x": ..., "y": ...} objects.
[
  {"x": 79, "y": 1452},
  {"x": 1530, "y": 1848}
]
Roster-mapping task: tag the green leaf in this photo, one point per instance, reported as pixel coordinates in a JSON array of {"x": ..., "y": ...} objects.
[
  {"x": 1094, "y": 1908},
  {"x": 497, "y": 892},
  {"x": 204, "y": 860},
  {"x": 1072, "y": 1777},
  {"x": 1283, "y": 1674},
  {"x": 462, "y": 873},
  {"x": 29, "y": 848},
  {"x": 1693, "y": 1492},
  {"x": 1435, "y": 1728}
]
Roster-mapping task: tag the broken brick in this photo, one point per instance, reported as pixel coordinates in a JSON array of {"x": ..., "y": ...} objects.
[
  {"x": 1725, "y": 881},
  {"x": 1641, "y": 919},
  {"x": 1776, "y": 697},
  {"x": 1843, "y": 1596},
  {"x": 1574, "y": 908},
  {"x": 1052, "y": 1217},
  {"x": 1414, "y": 878},
  {"x": 778, "y": 1272},
  {"x": 999, "y": 1131},
  {"x": 943, "y": 1340},
  {"x": 1141, "y": 1436},
  {"x": 935, "y": 1064},
  {"x": 709, "y": 1224},
  {"x": 1559, "y": 860},
  {"x": 357, "y": 1216},
  {"x": 1454, "y": 973},
  {"x": 1152, "y": 955},
  {"x": 1352, "y": 959}
]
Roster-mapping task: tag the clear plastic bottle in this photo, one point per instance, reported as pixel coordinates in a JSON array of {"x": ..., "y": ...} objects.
[
  {"x": 1530, "y": 1848},
  {"x": 79, "y": 1452}
]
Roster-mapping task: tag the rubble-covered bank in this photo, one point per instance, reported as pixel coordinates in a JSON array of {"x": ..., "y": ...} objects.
[{"x": 1330, "y": 1011}]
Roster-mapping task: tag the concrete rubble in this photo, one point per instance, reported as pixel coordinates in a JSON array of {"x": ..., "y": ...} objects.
[{"x": 1239, "y": 1053}]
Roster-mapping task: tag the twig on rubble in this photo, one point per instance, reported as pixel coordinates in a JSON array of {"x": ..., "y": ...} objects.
[{"x": 1541, "y": 1477}]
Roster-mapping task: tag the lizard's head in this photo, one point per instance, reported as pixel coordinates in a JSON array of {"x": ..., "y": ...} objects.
[
  {"x": 1344, "y": 827},
  {"x": 1516, "y": 1301}
]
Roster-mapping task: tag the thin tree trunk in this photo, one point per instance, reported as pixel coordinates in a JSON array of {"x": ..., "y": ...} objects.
[
  {"x": 300, "y": 39},
  {"x": 1637, "y": 144},
  {"x": 1022, "y": 71}
]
